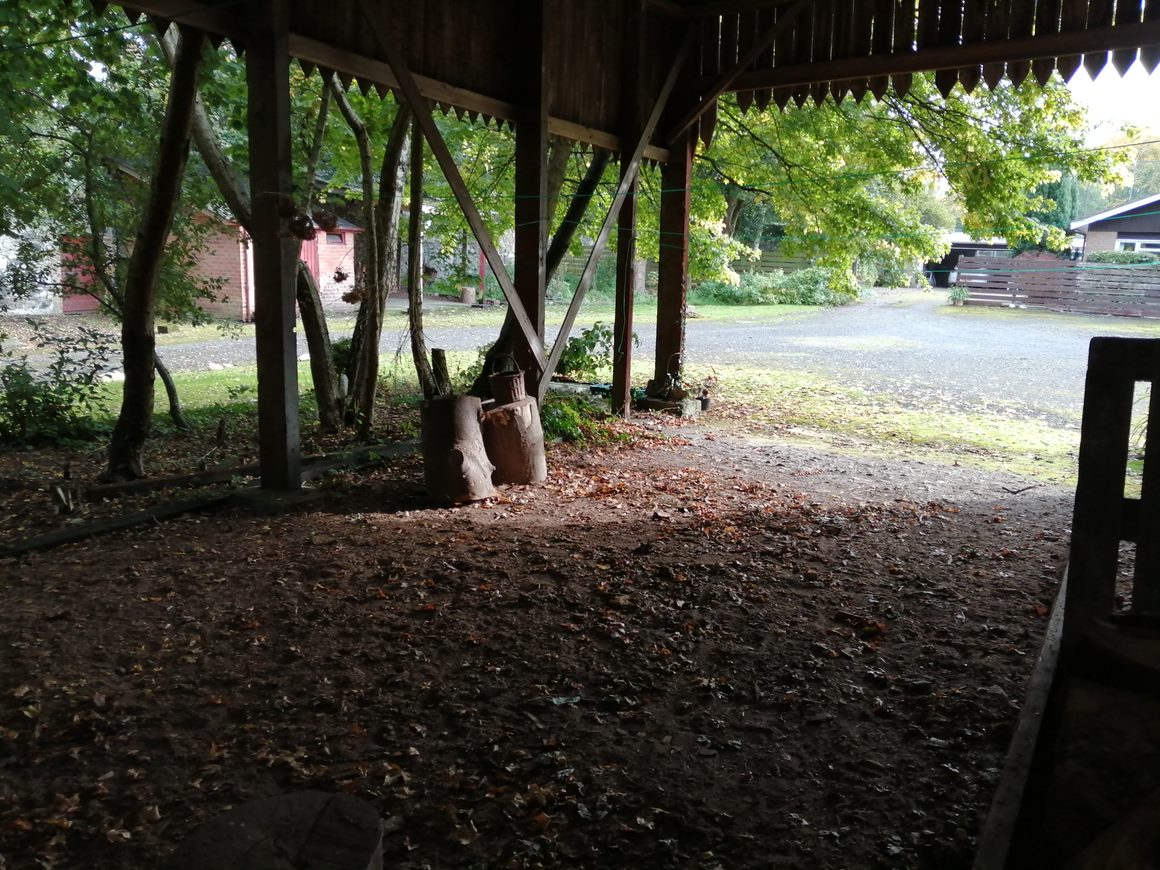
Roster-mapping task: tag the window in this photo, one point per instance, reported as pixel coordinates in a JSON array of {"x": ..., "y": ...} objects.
[
  {"x": 336, "y": 238},
  {"x": 1138, "y": 244}
]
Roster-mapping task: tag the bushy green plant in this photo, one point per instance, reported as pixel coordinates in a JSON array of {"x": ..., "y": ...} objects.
[
  {"x": 60, "y": 401},
  {"x": 578, "y": 419},
  {"x": 958, "y": 293},
  {"x": 340, "y": 353},
  {"x": 586, "y": 355},
  {"x": 816, "y": 285},
  {"x": 1125, "y": 258}
]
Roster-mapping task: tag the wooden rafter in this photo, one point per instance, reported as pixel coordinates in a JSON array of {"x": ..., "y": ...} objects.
[
  {"x": 628, "y": 175},
  {"x": 422, "y": 109},
  {"x": 350, "y": 65},
  {"x": 1076, "y": 42},
  {"x": 364, "y": 68},
  {"x": 721, "y": 85}
]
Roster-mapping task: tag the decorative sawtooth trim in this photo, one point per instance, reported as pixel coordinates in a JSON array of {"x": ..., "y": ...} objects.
[
  {"x": 970, "y": 76},
  {"x": 307, "y": 67},
  {"x": 1094, "y": 62},
  {"x": 1017, "y": 71},
  {"x": 945, "y": 80},
  {"x": 1042, "y": 69},
  {"x": 901, "y": 83},
  {"x": 364, "y": 85}
]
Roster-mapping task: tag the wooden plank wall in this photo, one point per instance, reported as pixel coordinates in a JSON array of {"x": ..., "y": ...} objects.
[{"x": 1061, "y": 285}]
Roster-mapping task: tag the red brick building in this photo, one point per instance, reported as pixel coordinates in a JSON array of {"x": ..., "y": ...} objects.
[{"x": 228, "y": 258}]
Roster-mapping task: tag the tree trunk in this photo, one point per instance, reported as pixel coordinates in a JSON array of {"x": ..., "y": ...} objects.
[
  {"x": 137, "y": 335},
  {"x": 415, "y": 270},
  {"x": 368, "y": 326},
  {"x": 175, "y": 412},
  {"x": 392, "y": 176},
  {"x": 556, "y": 250},
  {"x": 236, "y": 193},
  {"x": 366, "y": 355},
  {"x": 455, "y": 463},
  {"x": 322, "y": 370}
]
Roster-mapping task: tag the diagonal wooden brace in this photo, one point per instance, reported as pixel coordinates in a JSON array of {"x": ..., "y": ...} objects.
[
  {"x": 422, "y": 109},
  {"x": 627, "y": 178}
]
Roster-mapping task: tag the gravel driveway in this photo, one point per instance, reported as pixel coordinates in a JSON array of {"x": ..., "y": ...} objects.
[{"x": 908, "y": 343}]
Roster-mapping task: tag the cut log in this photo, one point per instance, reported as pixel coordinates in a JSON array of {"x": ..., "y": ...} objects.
[
  {"x": 515, "y": 441},
  {"x": 299, "y": 830},
  {"x": 455, "y": 464}
]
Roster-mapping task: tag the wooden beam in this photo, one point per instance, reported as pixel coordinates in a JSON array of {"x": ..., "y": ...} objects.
[
  {"x": 632, "y": 109},
  {"x": 422, "y": 109},
  {"x": 212, "y": 20},
  {"x": 949, "y": 57},
  {"x": 705, "y": 10},
  {"x": 622, "y": 191},
  {"x": 765, "y": 40},
  {"x": 621, "y": 396},
  {"x": 361, "y": 67},
  {"x": 1097, "y": 526},
  {"x": 275, "y": 249},
  {"x": 673, "y": 261},
  {"x": 531, "y": 179}
]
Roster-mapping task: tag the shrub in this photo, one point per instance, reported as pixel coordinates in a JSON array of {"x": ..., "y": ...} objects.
[
  {"x": 586, "y": 355},
  {"x": 577, "y": 418},
  {"x": 1124, "y": 258},
  {"x": 56, "y": 403},
  {"x": 816, "y": 285}
]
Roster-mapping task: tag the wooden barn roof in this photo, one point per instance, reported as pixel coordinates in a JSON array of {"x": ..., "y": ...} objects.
[{"x": 469, "y": 55}]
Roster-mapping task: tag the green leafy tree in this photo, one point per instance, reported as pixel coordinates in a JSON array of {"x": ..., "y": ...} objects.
[
  {"x": 80, "y": 119},
  {"x": 852, "y": 180}
]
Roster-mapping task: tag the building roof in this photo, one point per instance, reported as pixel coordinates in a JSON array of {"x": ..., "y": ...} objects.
[
  {"x": 605, "y": 62},
  {"x": 1081, "y": 225},
  {"x": 961, "y": 238}
]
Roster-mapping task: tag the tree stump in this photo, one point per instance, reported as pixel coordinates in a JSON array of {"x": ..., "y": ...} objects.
[
  {"x": 515, "y": 441},
  {"x": 308, "y": 830},
  {"x": 455, "y": 463}
]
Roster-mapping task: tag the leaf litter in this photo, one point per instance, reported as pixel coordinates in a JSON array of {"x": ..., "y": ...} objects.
[{"x": 696, "y": 653}]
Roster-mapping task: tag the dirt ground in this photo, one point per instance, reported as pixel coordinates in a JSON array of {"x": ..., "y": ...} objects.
[{"x": 697, "y": 652}]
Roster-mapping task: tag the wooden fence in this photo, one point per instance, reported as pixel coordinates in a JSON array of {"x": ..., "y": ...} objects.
[{"x": 1062, "y": 285}]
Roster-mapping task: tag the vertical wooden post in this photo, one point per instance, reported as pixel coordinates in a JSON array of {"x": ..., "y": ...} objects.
[
  {"x": 673, "y": 266},
  {"x": 632, "y": 120},
  {"x": 531, "y": 185},
  {"x": 625, "y": 293},
  {"x": 1097, "y": 525},
  {"x": 275, "y": 252}
]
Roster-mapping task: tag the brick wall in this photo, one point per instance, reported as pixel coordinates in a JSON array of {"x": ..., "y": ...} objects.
[
  {"x": 222, "y": 259},
  {"x": 1098, "y": 241},
  {"x": 332, "y": 256}
]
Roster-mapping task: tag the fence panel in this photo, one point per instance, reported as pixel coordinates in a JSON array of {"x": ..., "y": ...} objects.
[{"x": 1062, "y": 285}]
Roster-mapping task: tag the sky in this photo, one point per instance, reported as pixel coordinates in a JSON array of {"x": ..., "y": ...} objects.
[{"x": 1112, "y": 101}]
